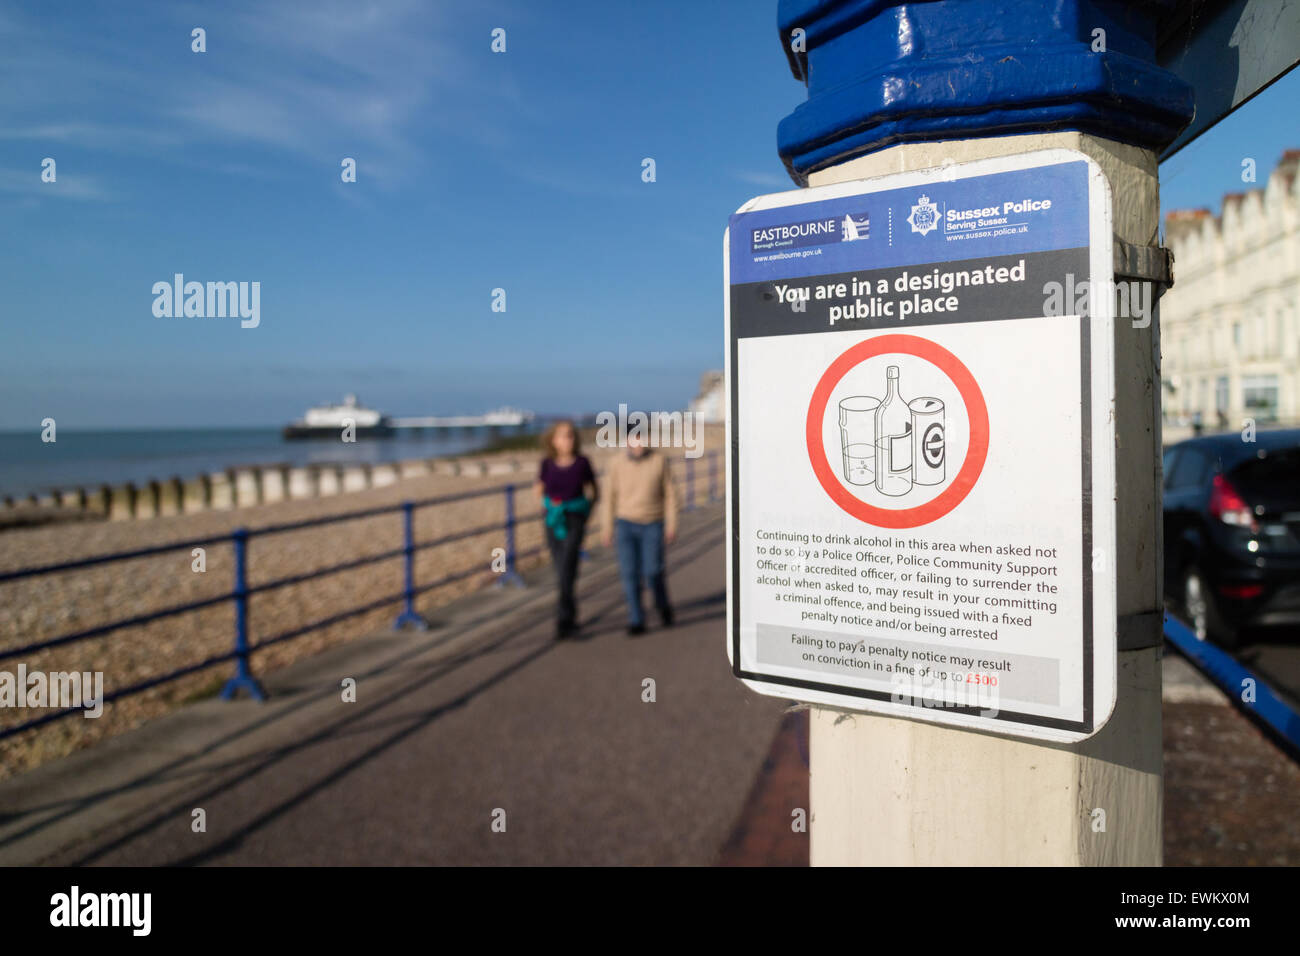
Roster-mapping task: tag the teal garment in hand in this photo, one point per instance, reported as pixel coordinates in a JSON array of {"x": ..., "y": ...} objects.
[{"x": 556, "y": 514}]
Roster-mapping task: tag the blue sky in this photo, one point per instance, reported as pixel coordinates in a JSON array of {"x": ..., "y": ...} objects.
[{"x": 476, "y": 171}]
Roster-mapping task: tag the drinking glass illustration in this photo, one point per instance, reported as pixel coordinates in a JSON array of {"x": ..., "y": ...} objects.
[
  {"x": 858, "y": 438},
  {"x": 893, "y": 441}
]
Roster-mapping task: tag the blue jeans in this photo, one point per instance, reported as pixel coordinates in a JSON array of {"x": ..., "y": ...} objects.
[{"x": 641, "y": 554}]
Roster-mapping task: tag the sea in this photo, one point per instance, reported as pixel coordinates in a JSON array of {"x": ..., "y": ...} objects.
[{"x": 88, "y": 459}]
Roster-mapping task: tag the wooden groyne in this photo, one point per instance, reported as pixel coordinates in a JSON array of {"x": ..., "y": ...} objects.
[{"x": 240, "y": 487}]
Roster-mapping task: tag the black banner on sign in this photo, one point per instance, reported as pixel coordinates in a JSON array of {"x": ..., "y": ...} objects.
[{"x": 972, "y": 290}]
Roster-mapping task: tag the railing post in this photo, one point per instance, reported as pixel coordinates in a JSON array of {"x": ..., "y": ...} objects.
[
  {"x": 511, "y": 573},
  {"x": 408, "y": 615},
  {"x": 243, "y": 673},
  {"x": 713, "y": 476},
  {"x": 690, "y": 484}
]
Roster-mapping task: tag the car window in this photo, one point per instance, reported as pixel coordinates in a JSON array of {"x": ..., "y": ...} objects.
[
  {"x": 1275, "y": 475},
  {"x": 1167, "y": 466},
  {"x": 1190, "y": 469}
]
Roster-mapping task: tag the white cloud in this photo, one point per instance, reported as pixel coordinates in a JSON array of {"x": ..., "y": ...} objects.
[
  {"x": 765, "y": 180},
  {"x": 380, "y": 79},
  {"x": 77, "y": 186}
]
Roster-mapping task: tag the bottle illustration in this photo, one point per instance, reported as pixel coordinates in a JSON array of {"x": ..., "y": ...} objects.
[
  {"x": 893, "y": 445},
  {"x": 858, "y": 438},
  {"x": 893, "y": 463}
]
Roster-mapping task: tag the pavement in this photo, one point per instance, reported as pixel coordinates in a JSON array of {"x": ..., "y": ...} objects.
[
  {"x": 480, "y": 741},
  {"x": 1230, "y": 791},
  {"x": 485, "y": 719}
]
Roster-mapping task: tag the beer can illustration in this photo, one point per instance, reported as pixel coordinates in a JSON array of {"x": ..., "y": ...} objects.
[
  {"x": 929, "y": 441},
  {"x": 858, "y": 438}
]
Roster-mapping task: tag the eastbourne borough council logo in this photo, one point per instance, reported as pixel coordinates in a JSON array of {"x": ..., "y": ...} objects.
[
  {"x": 854, "y": 228},
  {"x": 924, "y": 217}
]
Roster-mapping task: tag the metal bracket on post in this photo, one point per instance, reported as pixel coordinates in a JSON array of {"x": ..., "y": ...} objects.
[
  {"x": 1154, "y": 264},
  {"x": 1141, "y": 630},
  {"x": 1144, "y": 263},
  {"x": 1150, "y": 266}
]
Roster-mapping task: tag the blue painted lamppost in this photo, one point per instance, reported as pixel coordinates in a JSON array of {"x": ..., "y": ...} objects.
[{"x": 895, "y": 87}]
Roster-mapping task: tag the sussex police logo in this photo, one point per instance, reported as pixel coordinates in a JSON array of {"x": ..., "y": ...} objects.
[{"x": 924, "y": 217}]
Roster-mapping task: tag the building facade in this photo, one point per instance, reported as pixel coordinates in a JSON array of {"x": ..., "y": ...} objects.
[
  {"x": 710, "y": 406},
  {"x": 1230, "y": 325}
]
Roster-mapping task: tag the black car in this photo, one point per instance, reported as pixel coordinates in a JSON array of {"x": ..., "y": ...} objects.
[{"x": 1232, "y": 532}]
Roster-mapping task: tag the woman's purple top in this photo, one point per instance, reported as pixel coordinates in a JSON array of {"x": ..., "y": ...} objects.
[{"x": 565, "y": 482}]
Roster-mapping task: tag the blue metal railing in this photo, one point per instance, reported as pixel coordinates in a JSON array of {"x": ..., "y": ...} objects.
[
  {"x": 241, "y": 591},
  {"x": 1240, "y": 683}
]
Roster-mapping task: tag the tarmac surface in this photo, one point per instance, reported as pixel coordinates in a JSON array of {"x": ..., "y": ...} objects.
[{"x": 485, "y": 719}]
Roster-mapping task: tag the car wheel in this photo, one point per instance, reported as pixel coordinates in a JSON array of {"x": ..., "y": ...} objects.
[{"x": 1202, "y": 613}]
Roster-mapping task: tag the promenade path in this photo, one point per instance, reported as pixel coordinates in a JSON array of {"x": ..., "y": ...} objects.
[
  {"x": 486, "y": 711},
  {"x": 483, "y": 712}
]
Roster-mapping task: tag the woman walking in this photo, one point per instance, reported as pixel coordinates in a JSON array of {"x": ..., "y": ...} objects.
[{"x": 566, "y": 486}]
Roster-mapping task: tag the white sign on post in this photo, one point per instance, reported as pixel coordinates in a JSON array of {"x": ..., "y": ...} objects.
[{"x": 921, "y": 475}]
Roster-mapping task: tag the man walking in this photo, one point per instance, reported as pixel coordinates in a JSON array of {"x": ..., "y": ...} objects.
[{"x": 639, "y": 513}]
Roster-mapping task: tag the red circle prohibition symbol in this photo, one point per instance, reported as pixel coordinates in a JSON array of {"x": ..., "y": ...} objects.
[{"x": 976, "y": 411}]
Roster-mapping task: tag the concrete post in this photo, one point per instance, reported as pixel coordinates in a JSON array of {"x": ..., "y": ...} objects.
[
  {"x": 952, "y": 82},
  {"x": 329, "y": 481},
  {"x": 122, "y": 506},
  {"x": 415, "y": 468},
  {"x": 197, "y": 495},
  {"x": 148, "y": 500},
  {"x": 171, "y": 497},
  {"x": 302, "y": 482},
  {"x": 73, "y": 499},
  {"x": 356, "y": 477},
  {"x": 274, "y": 483},
  {"x": 101, "y": 501},
  {"x": 248, "y": 487},
  {"x": 223, "y": 490}
]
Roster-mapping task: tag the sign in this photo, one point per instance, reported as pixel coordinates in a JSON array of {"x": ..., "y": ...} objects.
[
  {"x": 921, "y": 475},
  {"x": 1229, "y": 51}
]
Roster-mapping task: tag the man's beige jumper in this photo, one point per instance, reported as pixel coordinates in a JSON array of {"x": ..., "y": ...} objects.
[{"x": 639, "y": 489}]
